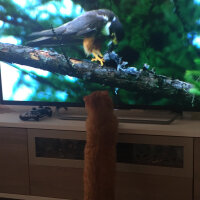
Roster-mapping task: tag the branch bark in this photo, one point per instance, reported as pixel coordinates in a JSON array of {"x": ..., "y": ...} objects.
[{"x": 143, "y": 81}]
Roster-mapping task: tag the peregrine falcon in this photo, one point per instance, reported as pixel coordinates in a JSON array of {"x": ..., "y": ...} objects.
[{"x": 92, "y": 29}]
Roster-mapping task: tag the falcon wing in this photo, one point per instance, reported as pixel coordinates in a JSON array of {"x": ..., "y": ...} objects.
[{"x": 82, "y": 26}]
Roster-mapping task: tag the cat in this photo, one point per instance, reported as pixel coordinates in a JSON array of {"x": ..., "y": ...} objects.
[{"x": 100, "y": 148}]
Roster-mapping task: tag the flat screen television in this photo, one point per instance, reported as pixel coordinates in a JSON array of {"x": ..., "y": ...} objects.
[{"x": 162, "y": 39}]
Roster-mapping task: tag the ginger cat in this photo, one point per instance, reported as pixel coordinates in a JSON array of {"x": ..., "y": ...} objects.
[{"x": 100, "y": 149}]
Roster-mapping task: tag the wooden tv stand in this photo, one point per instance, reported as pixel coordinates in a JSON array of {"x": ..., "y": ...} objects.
[{"x": 45, "y": 159}]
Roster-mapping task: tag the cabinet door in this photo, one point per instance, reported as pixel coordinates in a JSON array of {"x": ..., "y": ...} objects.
[
  {"x": 56, "y": 163},
  {"x": 154, "y": 168},
  {"x": 13, "y": 161}
]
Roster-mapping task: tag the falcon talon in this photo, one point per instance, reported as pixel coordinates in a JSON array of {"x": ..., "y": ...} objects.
[
  {"x": 100, "y": 60},
  {"x": 92, "y": 28}
]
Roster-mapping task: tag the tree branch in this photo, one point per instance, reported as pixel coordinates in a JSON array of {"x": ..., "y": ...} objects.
[{"x": 143, "y": 81}]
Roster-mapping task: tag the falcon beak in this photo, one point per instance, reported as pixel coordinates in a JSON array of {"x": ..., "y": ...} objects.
[{"x": 114, "y": 39}]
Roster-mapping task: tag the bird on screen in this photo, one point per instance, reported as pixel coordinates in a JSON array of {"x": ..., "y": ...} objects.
[{"x": 91, "y": 29}]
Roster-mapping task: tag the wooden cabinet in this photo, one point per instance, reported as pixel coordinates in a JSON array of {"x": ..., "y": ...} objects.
[
  {"x": 14, "y": 175},
  {"x": 152, "y": 167},
  {"x": 45, "y": 159}
]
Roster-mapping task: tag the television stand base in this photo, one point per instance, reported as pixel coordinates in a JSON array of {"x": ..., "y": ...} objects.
[
  {"x": 124, "y": 116},
  {"x": 70, "y": 114},
  {"x": 165, "y": 121}
]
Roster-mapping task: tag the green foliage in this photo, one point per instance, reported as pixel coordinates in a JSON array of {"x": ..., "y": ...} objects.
[
  {"x": 194, "y": 78},
  {"x": 160, "y": 33},
  {"x": 157, "y": 31}
]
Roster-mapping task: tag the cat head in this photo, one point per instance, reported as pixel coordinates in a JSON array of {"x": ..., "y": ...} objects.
[{"x": 98, "y": 101}]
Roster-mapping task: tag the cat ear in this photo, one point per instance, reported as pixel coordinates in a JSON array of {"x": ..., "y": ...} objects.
[{"x": 85, "y": 99}]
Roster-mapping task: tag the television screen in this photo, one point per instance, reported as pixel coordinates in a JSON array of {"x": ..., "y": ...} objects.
[{"x": 155, "y": 64}]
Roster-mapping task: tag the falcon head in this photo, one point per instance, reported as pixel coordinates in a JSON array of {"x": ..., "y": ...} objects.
[
  {"x": 113, "y": 27},
  {"x": 116, "y": 31}
]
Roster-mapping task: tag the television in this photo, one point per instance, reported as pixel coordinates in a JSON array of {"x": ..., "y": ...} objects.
[{"x": 159, "y": 53}]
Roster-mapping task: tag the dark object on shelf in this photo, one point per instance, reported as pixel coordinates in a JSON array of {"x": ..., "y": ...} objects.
[{"x": 36, "y": 113}]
